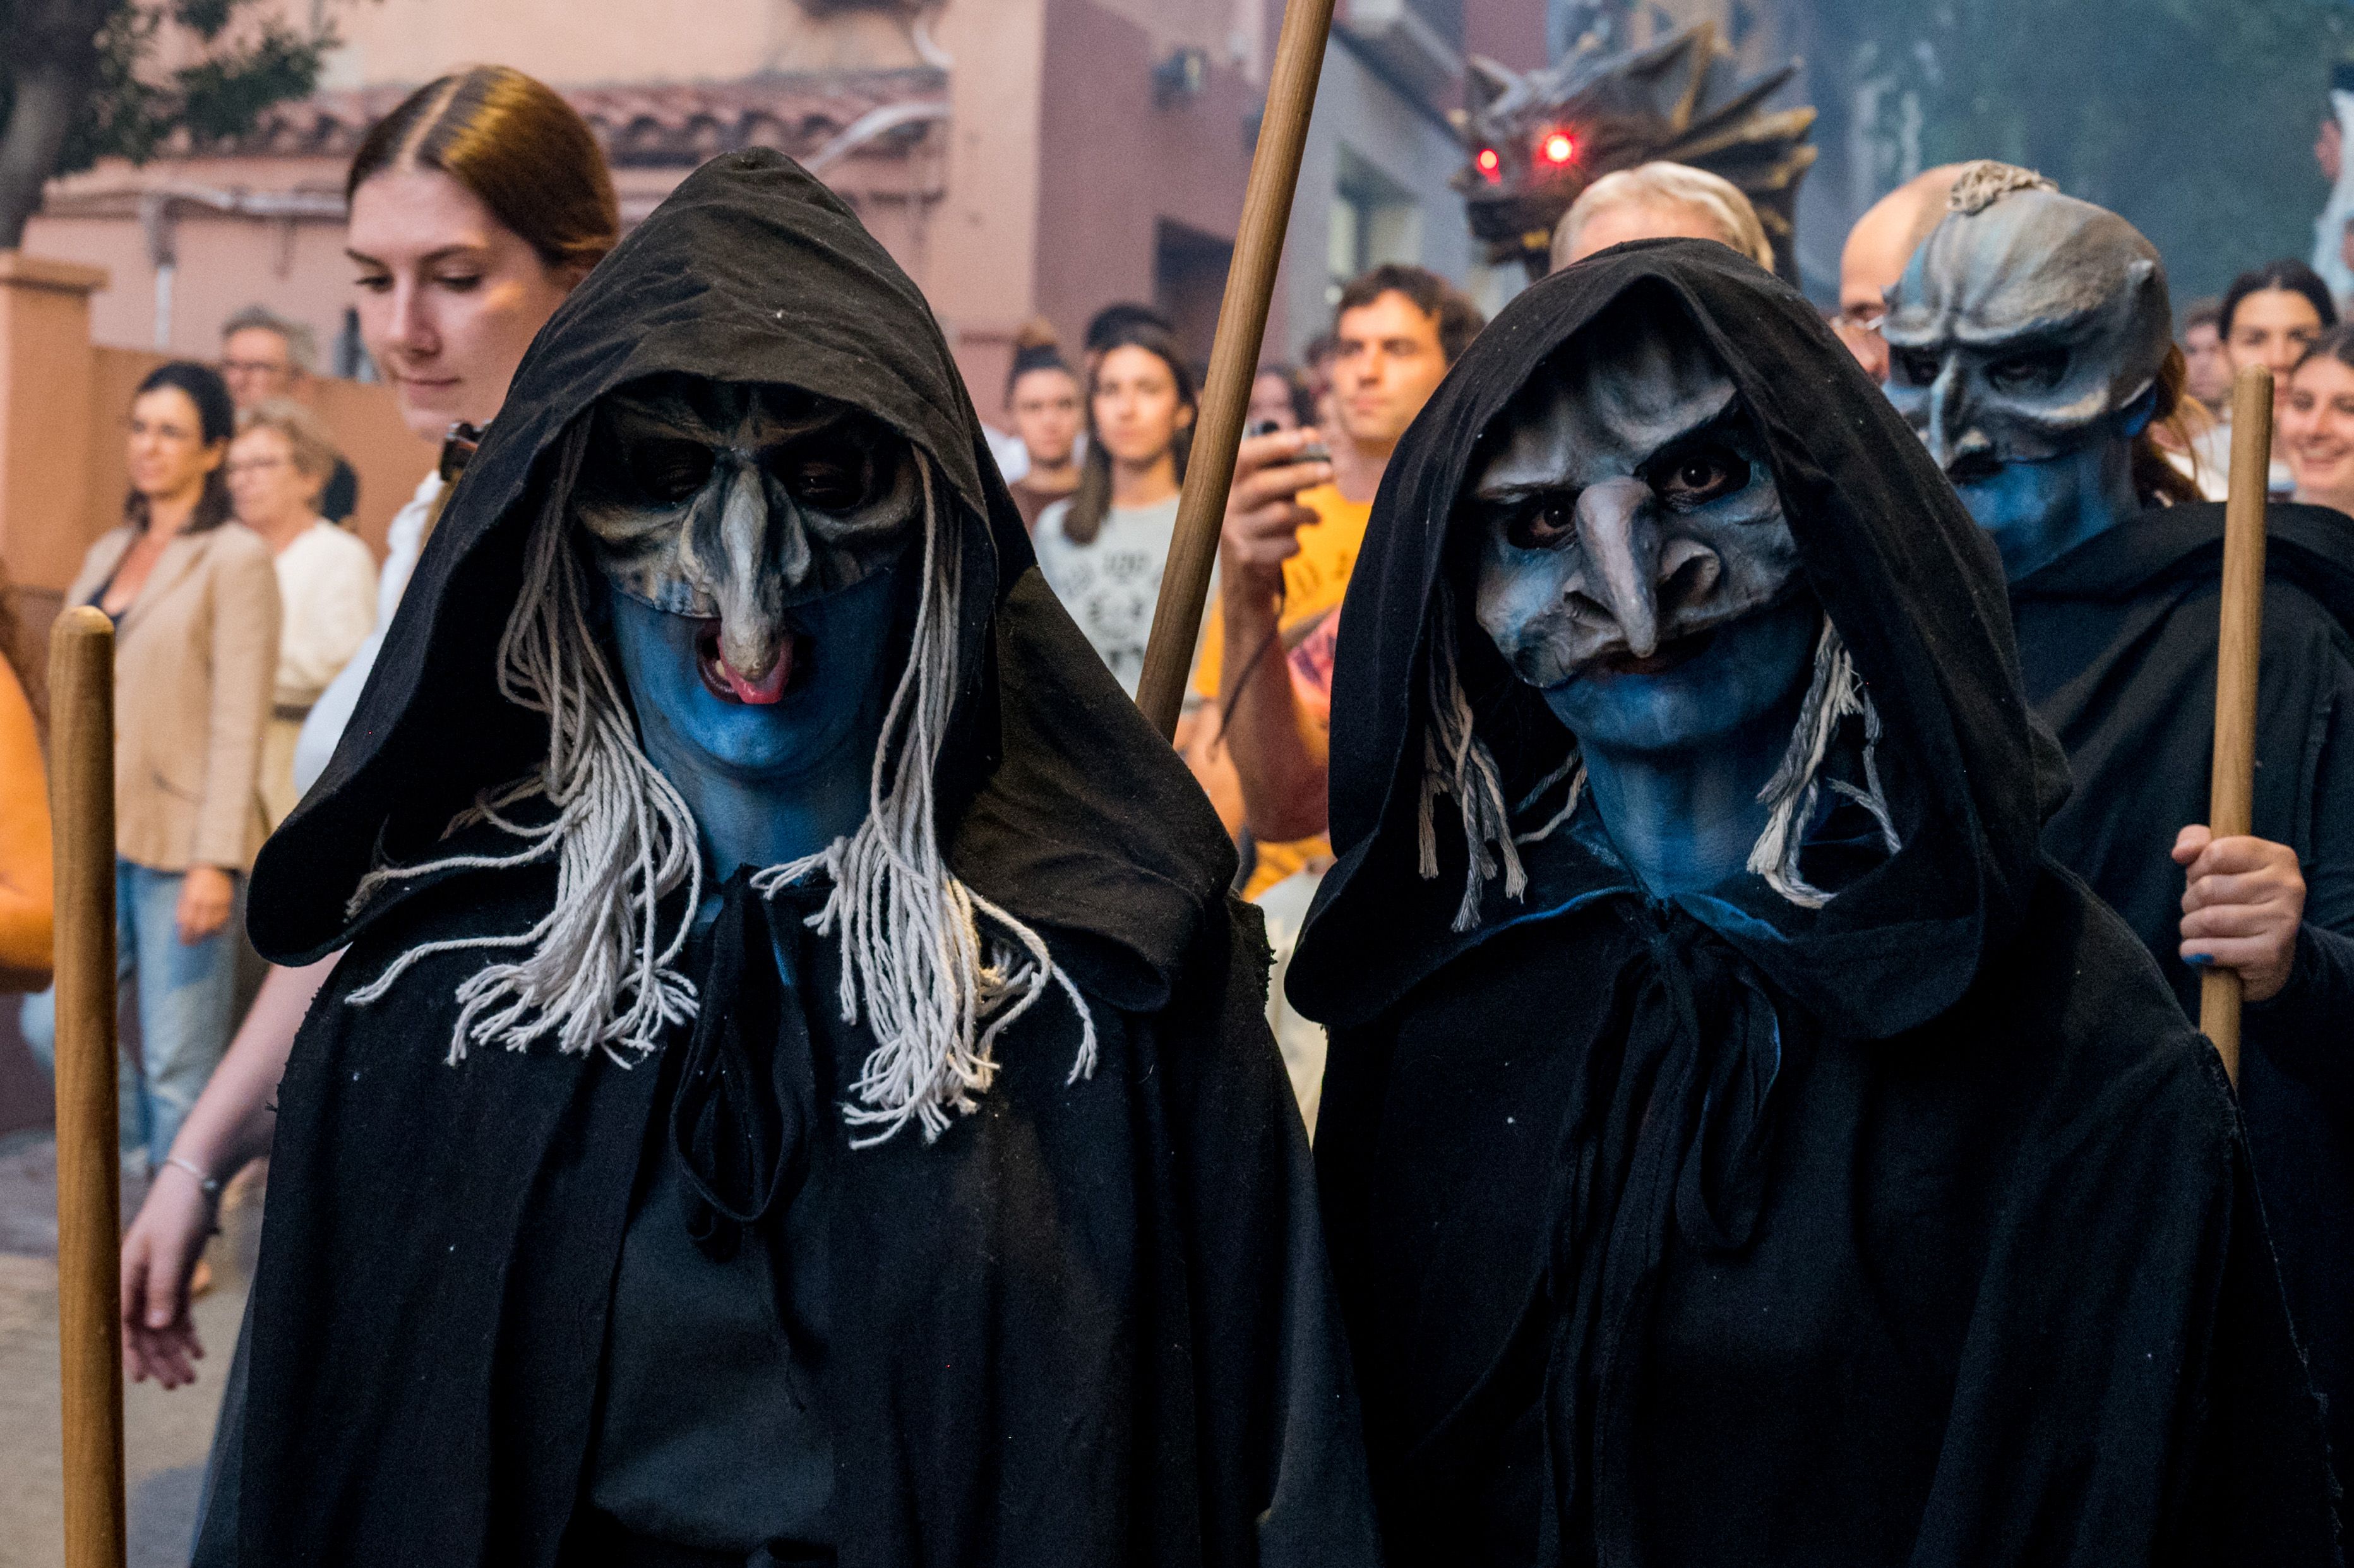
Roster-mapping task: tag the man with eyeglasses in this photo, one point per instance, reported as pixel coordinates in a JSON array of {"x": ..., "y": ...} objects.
[
  {"x": 1874, "y": 257},
  {"x": 265, "y": 355}
]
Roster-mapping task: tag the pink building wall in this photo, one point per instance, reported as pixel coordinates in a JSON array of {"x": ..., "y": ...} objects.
[{"x": 1114, "y": 167}]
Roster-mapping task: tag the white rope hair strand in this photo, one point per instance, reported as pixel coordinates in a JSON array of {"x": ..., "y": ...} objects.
[
  {"x": 914, "y": 961},
  {"x": 1835, "y": 692},
  {"x": 597, "y": 972},
  {"x": 1456, "y": 762}
]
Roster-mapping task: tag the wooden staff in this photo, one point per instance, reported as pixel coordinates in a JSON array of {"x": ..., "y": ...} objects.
[
  {"x": 2230, "y": 809},
  {"x": 89, "y": 1162},
  {"x": 1233, "y": 359}
]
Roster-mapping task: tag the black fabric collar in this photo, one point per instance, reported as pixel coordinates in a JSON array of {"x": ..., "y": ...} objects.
[{"x": 2312, "y": 547}]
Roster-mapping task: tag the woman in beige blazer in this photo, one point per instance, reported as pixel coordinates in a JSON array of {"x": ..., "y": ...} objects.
[{"x": 193, "y": 598}]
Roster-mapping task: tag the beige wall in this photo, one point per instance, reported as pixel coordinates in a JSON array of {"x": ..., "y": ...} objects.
[
  {"x": 579, "y": 43},
  {"x": 47, "y": 394},
  {"x": 62, "y": 402},
  {"x": 364, "y": 421},
  {"x": 411, "y": 41}
]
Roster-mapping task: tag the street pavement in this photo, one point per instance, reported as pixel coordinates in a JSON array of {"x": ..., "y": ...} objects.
[{"x": 166, "y": 1435}]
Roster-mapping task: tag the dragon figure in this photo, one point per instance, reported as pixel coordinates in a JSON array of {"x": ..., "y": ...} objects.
[{"x": 1537, "y": 139}]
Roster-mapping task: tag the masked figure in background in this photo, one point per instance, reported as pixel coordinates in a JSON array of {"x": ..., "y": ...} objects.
[
  {"x": 798, "y": 1092},
  {"x": 2030, "y": 344},
  {"x": 1740, "y": 1143}
]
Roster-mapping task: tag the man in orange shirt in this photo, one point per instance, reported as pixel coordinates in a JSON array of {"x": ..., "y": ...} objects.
[{"x": 1292, "y": 530}]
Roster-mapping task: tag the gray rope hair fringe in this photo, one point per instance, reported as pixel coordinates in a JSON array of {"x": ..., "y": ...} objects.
[
  {"x": 598, "y": 972},
  {"x": 1457, "y": 763},
  {"x": 911, "y": 944}
]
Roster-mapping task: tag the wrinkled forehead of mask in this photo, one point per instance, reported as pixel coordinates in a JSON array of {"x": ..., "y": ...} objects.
[
  {"x": 1627, "y": 503},
  {"x": 2020, "y": 324},
  {"x": 726, "y": 499}
]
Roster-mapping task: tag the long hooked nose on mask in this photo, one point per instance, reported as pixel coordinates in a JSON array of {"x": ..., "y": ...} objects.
[
  {"x": 1640, "y": 582},
  {"x": 1948, "y": 422},
  {"x": 746, "y": 554}
]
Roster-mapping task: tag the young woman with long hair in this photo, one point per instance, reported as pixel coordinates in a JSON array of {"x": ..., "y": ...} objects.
[
  {"x": 476, "y": 207},
  {"x": 1102, "y": 551},
  {"x": 2317, "y": 421}
]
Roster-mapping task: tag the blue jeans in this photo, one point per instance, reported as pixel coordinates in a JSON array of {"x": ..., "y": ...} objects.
[{"x": 186, "y": 997}]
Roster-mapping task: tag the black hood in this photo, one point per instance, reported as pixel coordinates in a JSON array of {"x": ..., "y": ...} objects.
[
  {"x": 1910, "y": 581},
  {"x": 753, "y": 271}
]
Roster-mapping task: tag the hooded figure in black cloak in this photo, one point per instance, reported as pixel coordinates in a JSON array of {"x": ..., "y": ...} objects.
[
  {"x": 797, "y": 1090},
  {"x": 2028, "y": 342},
  {"x": 1740, "y": 1143}
]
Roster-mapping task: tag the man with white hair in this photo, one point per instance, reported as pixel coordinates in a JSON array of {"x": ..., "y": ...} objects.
[{"x": 1660, "y": 201}]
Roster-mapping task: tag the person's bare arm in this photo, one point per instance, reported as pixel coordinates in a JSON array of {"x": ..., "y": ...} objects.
[
  {"x": 1279, "y": 759},
  {"x": 230, "y": 1124},
  {"x": 1199, "y": 742}
]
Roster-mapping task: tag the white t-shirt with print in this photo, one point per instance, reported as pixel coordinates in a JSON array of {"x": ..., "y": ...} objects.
[{"x": 1111, "y": 583}]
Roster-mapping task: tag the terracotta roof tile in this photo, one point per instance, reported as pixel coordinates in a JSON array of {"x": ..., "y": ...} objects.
[{"x": 641, "y": 125}]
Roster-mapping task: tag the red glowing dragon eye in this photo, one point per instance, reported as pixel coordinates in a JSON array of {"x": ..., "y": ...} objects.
[
  {"x": 1559, "y": 148},
  {"x": 1490, "y": 163}
]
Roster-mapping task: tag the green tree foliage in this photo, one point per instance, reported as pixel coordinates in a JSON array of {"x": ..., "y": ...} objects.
[
  {"x": 2195, "y": 119},
  {"x": 83, "y": 79}
]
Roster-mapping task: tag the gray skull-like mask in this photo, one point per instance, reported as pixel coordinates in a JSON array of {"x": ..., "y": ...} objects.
[
  {"x": 2026, "y": 322},
  {"x": 1628, "y": 508},
  {"x": 732, "y": 503}
]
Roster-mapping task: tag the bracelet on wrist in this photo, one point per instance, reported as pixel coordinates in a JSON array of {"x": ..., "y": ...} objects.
[{"x": 208, "y": 1185}]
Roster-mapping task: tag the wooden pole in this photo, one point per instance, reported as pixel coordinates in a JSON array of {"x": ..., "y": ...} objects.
[
  {"x": 89, "y": 1162},
  {"x": 2238, "y": 641},
  {"x": 1233, "y": 359}
]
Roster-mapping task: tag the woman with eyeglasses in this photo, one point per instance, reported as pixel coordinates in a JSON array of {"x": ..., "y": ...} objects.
[
  {"x": 194, "y": 605},
  {"x": 278, "y": 467}
]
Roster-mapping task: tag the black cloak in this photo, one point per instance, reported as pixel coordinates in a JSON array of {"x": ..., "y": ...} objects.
[
  {"x": 1916, "y": 1230},
  {"x": 2117, "y": 642},
  {"x": 1090, "y": 1324}
]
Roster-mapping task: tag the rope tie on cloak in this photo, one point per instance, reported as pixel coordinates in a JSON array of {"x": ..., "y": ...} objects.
[
  {"x": 911, "y": 945},
  {"x": 601, "y": 973},
  {"x": 1458, "y": 763},
  {"x": 1666, "y": 1132},
  {"x": 740, "y": 1120},
  {"x": 1679, "y": 1149}
]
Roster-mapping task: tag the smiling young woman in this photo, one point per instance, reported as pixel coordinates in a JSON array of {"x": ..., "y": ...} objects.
[
  {"x": 2317, "y": 423},
  {"x": 476, "y": 207}
]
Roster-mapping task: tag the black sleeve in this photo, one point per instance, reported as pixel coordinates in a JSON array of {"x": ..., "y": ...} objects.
[
  {"x": 1281, "y": 1422},
  {"x": 341, "y": 498},
  {"x": 2303, "y": 1028}
]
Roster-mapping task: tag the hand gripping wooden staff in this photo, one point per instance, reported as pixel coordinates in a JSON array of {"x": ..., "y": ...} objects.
[
  {"x": 1233, "y": 359},
  {"x": 89, "y": 1162},
  {"x": 2231, "y": 808}
]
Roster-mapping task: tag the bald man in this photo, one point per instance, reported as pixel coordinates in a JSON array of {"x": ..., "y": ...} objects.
[{"x": 1878, "y": 248}]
